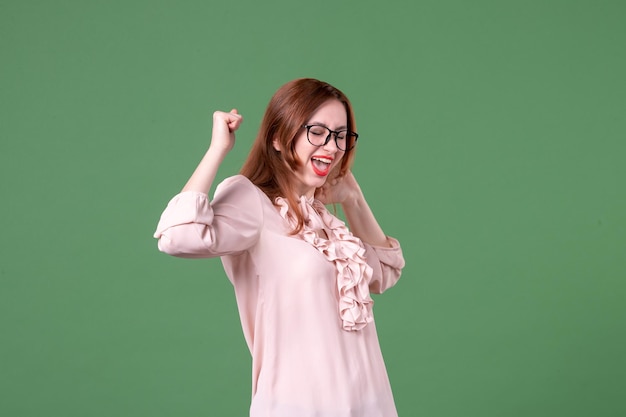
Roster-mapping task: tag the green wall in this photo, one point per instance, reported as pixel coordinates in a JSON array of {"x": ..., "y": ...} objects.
[{"x": 492, "y": 145}]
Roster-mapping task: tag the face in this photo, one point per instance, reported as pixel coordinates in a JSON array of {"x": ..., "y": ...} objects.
[{"x": 316, "y": 162}]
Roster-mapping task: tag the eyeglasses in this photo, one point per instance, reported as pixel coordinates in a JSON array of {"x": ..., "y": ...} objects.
[{"x": 321, "y": 135}]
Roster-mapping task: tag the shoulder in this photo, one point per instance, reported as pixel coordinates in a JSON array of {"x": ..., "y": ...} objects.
[
  {"x": 236, "y": 183},
  {"x": 239, "y": 187}
]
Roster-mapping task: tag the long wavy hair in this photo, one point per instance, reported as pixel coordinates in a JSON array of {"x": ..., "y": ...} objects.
[{"x": 288, "y": 110}]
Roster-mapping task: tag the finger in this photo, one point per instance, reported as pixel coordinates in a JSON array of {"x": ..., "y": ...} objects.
[
  {"x": 234, "y": 123},
  {"x": 227, "y": 116},
  {"x": 234, "y": 115}
]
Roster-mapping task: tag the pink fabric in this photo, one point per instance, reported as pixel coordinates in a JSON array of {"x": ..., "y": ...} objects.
[
  {"x": 304, "y": 301},
  {"x": 345, "y": 251}
]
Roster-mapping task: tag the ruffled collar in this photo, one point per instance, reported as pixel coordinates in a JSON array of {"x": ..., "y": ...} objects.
[{"x": 346, "y": 252}]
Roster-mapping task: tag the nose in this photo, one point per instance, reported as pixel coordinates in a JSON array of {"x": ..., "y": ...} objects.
[{"x": 331, "y": 143}]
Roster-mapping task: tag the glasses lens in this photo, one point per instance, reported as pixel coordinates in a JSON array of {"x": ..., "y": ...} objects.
[
  {"x": 344, "y": 139},
  {"x": 317, "y": 135},
  {"x": 349, "y": 140}
]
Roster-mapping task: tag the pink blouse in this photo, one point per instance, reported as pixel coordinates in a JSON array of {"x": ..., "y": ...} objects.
[{"x": 304, "y": 300}]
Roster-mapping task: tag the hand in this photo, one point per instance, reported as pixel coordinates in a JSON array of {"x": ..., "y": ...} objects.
[
  {"x": 224, "y": 127},
  {"x": 339, "y": 190}
]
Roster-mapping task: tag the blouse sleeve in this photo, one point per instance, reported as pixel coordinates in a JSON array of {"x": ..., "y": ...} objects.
[
  {"x": 387, "y": 264},
  {"x": 194, "y": 227}
]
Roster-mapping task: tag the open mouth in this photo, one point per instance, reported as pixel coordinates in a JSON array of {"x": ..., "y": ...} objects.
[{"x": 321, "y": 165}]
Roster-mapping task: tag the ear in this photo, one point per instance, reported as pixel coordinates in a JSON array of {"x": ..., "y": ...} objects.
[{"x": 276, "y": 145}]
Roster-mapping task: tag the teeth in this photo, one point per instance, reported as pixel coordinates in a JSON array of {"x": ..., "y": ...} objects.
[{"x": 322, "y": 160}]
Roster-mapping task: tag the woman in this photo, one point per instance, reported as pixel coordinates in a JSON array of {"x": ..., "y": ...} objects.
[{"x": 302, "y": 280}]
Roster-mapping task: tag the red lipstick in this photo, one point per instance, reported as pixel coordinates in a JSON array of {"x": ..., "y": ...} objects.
[{"x": 321, "y": 164}]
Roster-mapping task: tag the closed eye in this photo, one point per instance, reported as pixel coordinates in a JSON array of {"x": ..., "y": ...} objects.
[{"x": 318, "y": 131}]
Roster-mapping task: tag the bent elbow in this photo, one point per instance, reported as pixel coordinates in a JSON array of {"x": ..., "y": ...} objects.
[
  {"x": 388, "y": 279},
  {"x": 164, "y": 245},
  {"x": 179, "y": 249}
]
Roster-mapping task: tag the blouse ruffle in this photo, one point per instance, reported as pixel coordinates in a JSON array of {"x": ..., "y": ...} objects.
[{"x": 346, "y": 252}]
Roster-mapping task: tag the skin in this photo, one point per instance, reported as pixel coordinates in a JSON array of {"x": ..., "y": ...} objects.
[
  {"x": 344, "y": 191},
  {"x": 333, "y": 115}
]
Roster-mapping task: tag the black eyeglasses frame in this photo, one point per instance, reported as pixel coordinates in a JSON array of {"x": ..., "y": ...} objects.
[{"x": 331, "y": 133}]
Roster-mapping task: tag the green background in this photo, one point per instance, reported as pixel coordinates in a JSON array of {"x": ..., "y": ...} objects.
[{"x": 492, "y": 144}]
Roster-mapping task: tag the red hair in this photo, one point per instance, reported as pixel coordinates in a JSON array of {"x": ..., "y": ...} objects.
[{"x": 288, "y": 110}]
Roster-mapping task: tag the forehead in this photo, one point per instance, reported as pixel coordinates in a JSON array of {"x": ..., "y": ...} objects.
[{"x": 331, "y": 113}]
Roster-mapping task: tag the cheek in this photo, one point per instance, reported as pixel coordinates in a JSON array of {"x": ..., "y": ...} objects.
[
  {"x": 337, "y": 162},
  {"x": 302, "y": 149}
]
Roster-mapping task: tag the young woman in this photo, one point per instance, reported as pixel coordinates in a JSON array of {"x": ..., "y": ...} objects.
[{"x": 302, "y": 280}]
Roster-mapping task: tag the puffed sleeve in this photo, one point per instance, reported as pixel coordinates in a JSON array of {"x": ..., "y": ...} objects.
[
  {"x": 194, "y": 227},
  {"x": 387, "y": 264}
]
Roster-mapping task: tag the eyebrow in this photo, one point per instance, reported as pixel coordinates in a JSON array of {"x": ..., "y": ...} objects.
[{"x": 326, "y": 126}]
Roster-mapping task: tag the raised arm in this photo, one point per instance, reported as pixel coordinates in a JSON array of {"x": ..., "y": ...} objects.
[
  {"x": 346, "y": 191},
  {"x": 192, "y": 225},
  {"x": 383, "y": 253},
  {"x": 222, "y": 141}
]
